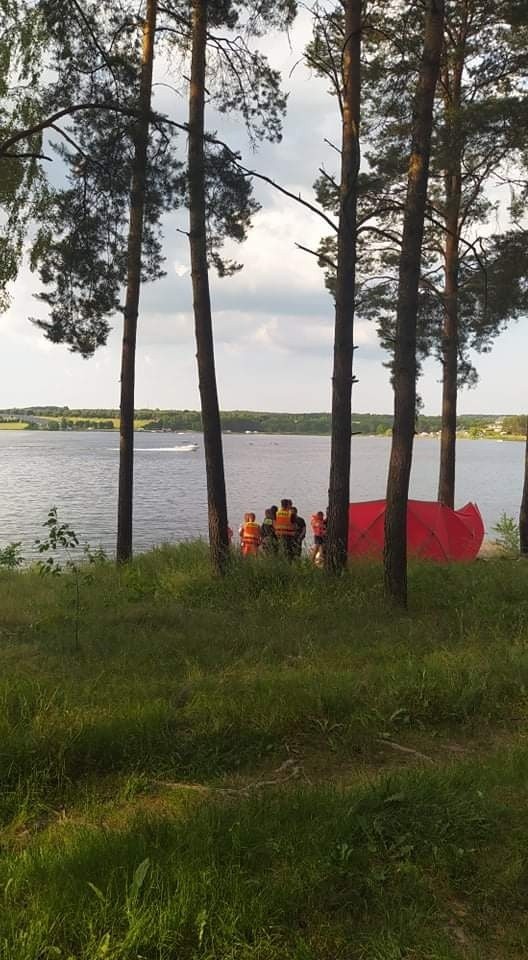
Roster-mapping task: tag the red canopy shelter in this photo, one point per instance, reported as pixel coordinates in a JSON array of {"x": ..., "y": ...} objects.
[{"x": 434, "y": 531}]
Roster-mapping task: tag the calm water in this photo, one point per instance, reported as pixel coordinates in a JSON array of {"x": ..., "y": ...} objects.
[{"x": 78, "y": 473}]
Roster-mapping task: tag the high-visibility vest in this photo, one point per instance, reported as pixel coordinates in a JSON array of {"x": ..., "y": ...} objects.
[
  {"x": 318, "y": 526},
  {"x": 284, "y": 525},
  {"x": 251, "y": 532}
]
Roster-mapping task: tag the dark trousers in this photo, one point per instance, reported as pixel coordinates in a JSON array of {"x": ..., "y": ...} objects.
[{"x": 286, "y": 547}]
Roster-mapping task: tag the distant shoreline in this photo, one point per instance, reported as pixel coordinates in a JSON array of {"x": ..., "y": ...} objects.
[
  {"x": 252, "y": 422},
  {"x": 20, "y": 427}
]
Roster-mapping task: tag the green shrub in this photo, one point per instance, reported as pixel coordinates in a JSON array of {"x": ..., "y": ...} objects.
[
  {"x": 507, "y": 530},
  {"x": 11, "y": 556}
]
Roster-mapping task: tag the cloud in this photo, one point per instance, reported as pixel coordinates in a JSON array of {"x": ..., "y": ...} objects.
[
  {"x": 273, "y": 321},
  {"x": 181, "y": 269}
]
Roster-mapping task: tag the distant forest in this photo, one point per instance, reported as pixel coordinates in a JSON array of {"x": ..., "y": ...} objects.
[{"x": 240, "y": 421}]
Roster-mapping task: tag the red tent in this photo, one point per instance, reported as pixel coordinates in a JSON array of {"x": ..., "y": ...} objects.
[{"x": 434, "y": 532}]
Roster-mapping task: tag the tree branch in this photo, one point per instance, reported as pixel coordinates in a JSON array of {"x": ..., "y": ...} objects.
[
  {"x": 95, "y": 40},
  {"x": 329, "y": 177},
  {"x": 25, "y": 156},
  {"x": 235, "y": 160},
  {"x": 76, "y": 108},
  {"x": 320, "y": 256},
  {"x": 370, "y": 228}
]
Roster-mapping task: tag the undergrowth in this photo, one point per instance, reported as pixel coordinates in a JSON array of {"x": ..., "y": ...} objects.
[{"x": 159, "y": 673}]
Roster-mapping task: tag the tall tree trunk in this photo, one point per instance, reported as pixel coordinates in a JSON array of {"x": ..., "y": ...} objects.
[
  {"x": 404, "y": 367},
  {"x": 452, "y": 96},
  {"x": 342, "y": 377},
  {"x": 523, "y": 515},
  {"x": 212, "y": 431},
  {"x": 446, "y": 481},
  {"x": 135, "y": 236}
]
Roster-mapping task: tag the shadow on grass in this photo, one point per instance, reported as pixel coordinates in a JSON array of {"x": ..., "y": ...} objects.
[{"x": 385, "y": 871}]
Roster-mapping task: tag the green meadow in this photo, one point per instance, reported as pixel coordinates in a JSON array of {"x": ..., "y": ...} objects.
[{"x": 275, "y": 765}]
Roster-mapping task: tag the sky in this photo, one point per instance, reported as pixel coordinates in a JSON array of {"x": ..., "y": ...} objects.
[{"x": 273, "y": 321}]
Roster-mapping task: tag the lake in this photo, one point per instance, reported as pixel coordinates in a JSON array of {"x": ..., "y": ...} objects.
[{"x": 77, "y": 472}]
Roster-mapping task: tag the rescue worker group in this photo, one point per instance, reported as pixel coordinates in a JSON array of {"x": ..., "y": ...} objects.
[{"x": 282, "y": 533}]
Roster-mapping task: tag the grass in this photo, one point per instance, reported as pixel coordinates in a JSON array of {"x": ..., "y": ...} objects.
[
  {"x": 271, "y": 766},
  {"x": 13, "y": 425}
]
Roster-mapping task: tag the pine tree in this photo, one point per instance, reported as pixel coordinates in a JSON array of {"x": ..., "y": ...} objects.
[
  {"x": 212, "y": 430},
  {"x": 82, "y": 251},
  {"x": 404, "y": 364},
  {"x": 335, "y": 53},
  {"x": 101, "y": 229},
  {"x": 479, "y": 119},
  {"x": 480, "y": 106},
  {"x": 236, "y": 78},
  {"x": 138, "y": 189},
  {"x": 23, "y": 191}
]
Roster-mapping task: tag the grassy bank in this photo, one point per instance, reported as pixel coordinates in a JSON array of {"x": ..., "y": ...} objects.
[{"x": 273, "y": 766}]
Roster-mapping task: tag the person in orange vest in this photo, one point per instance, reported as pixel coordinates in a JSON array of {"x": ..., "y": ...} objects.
[
  {"x": 318, "y": 524},
  {"x": 285, "y": 530},
  {"x": 250, "y": 537}
]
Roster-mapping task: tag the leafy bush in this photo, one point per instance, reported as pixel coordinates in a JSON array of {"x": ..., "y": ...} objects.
[
  {"x": 60, "y": 537},
  {"x": 507, "y": 530},
  {"x": 11, "y": 556}
]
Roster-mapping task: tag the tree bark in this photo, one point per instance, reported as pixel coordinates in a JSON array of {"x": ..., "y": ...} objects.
[
  {"x": 135, "y": 236},
  {"x": 523, "y": 515},
  {"x": 446, "y": 479},
  {"x": 342, "y": 377},
  {"x": 453, "y": 189},
  {"x": 404, "y": 366},
  {"x": 453, "y": 199},
  {"x": 212, "y": 430}
]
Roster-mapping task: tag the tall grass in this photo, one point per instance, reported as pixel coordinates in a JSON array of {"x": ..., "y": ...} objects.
[
  {"x": 421, "y": 864},
  {"x": 144, "y": 810},
  {"x": 178, "y": 674}
]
